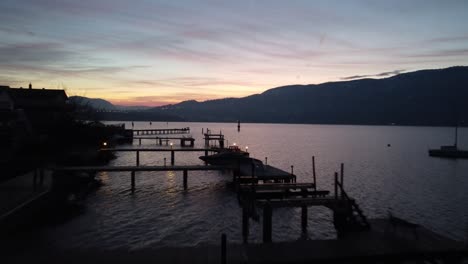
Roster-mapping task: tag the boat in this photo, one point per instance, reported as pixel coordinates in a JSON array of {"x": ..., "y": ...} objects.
[
  {"x": 450, "y": 151},
  {"x": 232, "y": 155}
]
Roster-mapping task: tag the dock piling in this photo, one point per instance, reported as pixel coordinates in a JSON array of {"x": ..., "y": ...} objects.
[
  {"x": 267, "y": 223},
  {"x": 172, "y": 158},
  {"x": 266, "y": 160},
  {"x": 185, "y": 179},
  {"x": 342, "y": 179},
  {"x": 313, "y": 173},
  {"x": 336, "y": 185},
  {"x": 223, "y": 249},
  {"x": 133, "y": 181},
  {"x": 304, "y": 218},
  {"x": 245, "y": 224},
  {"x": 138, "y": 158}
]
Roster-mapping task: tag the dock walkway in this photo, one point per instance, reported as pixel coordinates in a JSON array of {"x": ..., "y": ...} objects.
[
  {"x": 19, "y": 191},
  {"x": 163, "y": 131}
]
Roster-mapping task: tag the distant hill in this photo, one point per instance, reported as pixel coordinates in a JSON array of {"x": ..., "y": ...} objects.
[
  {"x": 96, "y": 103},
  {"x": 103, "y": 105},
  {"x": 105, "y": 110},
  {"x": 426, "y": 97}
]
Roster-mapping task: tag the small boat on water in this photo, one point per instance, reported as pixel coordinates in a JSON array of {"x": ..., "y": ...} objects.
[
  {"x": 229, "y": 156},
  {"x": 450, "y": 151}
]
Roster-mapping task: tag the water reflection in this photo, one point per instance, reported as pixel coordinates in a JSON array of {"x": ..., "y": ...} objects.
[{"x": 172, "y": 186}]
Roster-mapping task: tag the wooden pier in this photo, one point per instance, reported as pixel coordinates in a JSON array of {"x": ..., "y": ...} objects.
[
  {"x": 217, "y": 138},
  {"x": 163, "y": 131},
  {"x": 137, "y": 151},
  {"x": 184, "y": 141},
  {"x": 347, "y": 215},
  {"x": 134, "y": 169}
]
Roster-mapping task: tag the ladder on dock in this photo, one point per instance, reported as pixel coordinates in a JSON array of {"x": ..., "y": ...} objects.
[{"x": 347, "y": 214}]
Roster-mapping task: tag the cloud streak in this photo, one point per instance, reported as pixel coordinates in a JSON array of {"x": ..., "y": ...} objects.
[
  {"x": 221, "y": 49},
  {"x": 382, "y": 74}
]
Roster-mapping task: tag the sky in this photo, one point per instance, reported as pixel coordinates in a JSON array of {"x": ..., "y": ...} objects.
[{"x": 162, "y": 52}]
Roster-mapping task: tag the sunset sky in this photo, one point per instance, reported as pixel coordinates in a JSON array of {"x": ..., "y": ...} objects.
[{"x": 160, "y": 52}]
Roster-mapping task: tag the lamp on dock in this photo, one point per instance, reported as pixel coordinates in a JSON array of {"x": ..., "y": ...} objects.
[
  {"x": 171, "y": 144},
  {"x": 234, "y": 143},
  {"x": 246, "y": 148},
  {"x": 104, "y": 144}
]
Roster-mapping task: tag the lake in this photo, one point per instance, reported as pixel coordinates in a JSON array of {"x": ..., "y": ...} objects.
[{"x": 399, "y": 177}]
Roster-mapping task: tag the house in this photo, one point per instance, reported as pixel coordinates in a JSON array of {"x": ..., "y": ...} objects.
[{"x": 30, "y": 113}]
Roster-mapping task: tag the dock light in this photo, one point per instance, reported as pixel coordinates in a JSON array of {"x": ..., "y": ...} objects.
[
  {"x": 246, "y": 148},
  {"x": 171, "y": 144},
  {"x": 234, "y": 143},
  {"x": 104, "y": 144}
]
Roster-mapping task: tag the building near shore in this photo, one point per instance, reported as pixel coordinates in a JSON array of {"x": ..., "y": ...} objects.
[{"x": 28, "y": 114}]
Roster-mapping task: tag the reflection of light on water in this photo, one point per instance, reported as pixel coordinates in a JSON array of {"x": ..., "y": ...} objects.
[
  {"x": 171, "y": 183},
  {"x": 104, "y": 176}
]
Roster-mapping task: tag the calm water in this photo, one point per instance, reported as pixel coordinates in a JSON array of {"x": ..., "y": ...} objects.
[{"x": 401, "y": 178}]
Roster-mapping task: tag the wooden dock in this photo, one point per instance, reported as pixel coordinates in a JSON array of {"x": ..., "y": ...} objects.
[
  {"x": 137, "y": 151},
  {"x": 256, "y": 171},
  {"x": 347, "y": 215},
  {"x": 164, "y": 131},
  {"x": 184, "y": 141},
  {"x": 132, "y": 169}
]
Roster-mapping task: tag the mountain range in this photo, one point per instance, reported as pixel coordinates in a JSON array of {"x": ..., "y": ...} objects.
[{"x": 426, "y": 97}]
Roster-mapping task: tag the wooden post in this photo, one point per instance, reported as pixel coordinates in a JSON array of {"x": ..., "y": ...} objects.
[
  {"x": 267, "y": 223},
  {"x": 223, "y": 249},
  {"x": 313, "y": 173},
  {"x": 336, "y": 185},
  {"x": 304, "y": 219},
  {"x": 185, "y": 179},
  {"x": 266, "y": 160},
  {"x": 172, "y": 157},
  {"x": 138, "y": 158},
  {"x": 245, "y": 224},
  {"x": 164, "y": 162},
  {"x": 139, "y": 141},
  {"x": 342, "y": 180},
  {"x": 133, "y": 181},
  {"x": 292, "y": 170}
]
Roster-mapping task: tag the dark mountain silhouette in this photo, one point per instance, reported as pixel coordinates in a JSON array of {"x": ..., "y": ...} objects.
[
  {"x": 103, "y": 105},
  {"x": 105, "y": 110},
  {"x": 426, "y": 97}
]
